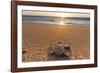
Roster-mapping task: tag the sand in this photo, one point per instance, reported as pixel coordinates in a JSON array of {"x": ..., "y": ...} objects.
[{"x": 37, "y": 38}]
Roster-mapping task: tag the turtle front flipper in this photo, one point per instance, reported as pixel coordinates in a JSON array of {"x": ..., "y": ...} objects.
[
  {"x": 67, "y": 52},
  {"x": 51, "y": 51}
]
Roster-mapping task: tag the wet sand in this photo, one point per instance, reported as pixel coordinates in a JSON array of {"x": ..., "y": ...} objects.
[{"x": 37, "y": 38}]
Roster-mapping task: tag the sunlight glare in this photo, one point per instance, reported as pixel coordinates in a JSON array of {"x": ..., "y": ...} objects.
[{"x": 62, "y": 23}]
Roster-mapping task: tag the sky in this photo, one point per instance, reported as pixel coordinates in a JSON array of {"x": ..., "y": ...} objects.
[{"x": 55, "y": 14}]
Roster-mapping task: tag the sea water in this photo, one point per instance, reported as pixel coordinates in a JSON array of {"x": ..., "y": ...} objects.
[{"x": 56, "y": 20}]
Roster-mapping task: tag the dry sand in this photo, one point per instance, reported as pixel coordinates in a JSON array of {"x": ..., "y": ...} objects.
[{"x": 37, "y": 38}]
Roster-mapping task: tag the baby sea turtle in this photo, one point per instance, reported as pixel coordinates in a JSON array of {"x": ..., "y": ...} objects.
[{"x": 60, "y": 51}]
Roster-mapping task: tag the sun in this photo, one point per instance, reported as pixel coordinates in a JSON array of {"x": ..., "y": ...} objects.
[{"x": 62, "y": 15}]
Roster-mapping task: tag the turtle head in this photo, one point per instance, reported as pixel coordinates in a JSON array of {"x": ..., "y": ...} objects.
[{"x": 59, "y": 42}]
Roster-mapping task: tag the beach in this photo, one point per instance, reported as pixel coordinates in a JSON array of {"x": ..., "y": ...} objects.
[{"x": 38, "y": 37}]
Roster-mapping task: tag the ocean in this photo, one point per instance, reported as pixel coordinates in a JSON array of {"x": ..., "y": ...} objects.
[{"x": 56, "y": 20}]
